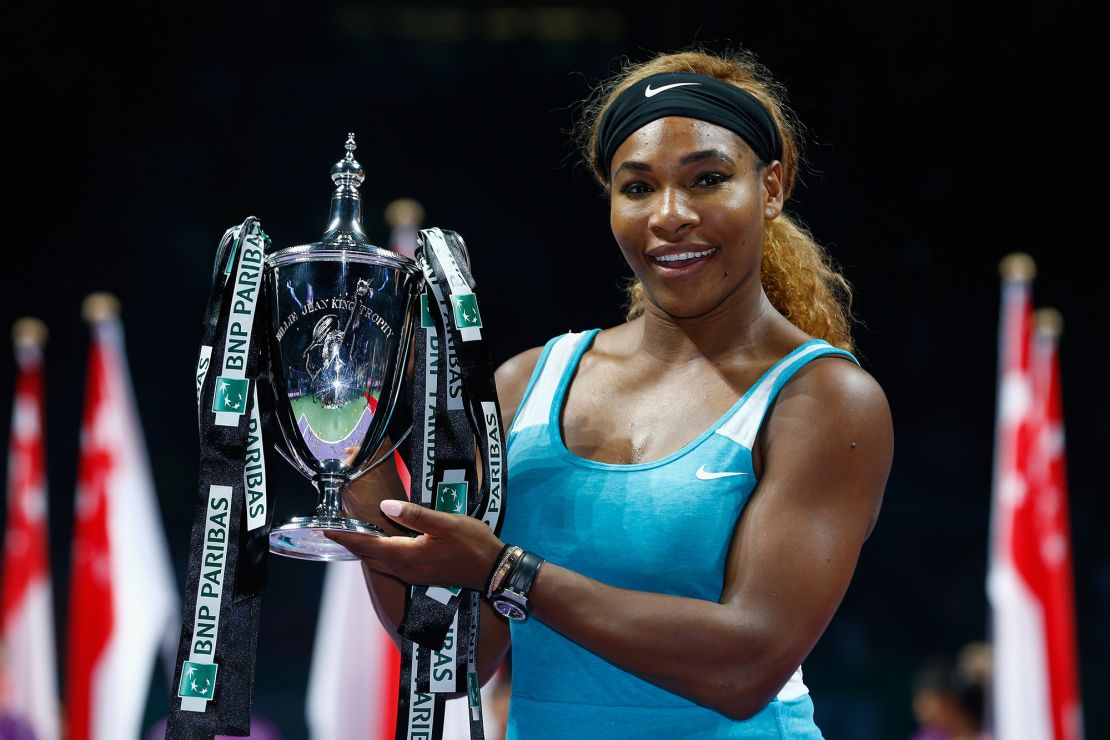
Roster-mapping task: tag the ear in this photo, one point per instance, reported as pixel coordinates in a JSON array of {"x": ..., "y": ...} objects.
[{"x": 773, "y": 195}]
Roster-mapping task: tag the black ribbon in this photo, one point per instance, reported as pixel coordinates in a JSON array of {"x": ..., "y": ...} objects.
[
  {"x": 463, "y": 408},
  {"x": 226, "y": 570}
]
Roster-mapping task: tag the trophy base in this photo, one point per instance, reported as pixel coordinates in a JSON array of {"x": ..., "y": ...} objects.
[{"x": 303, "y": 538}]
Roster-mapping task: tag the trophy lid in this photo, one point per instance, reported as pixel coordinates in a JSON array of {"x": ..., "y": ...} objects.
[
  {"x": 345, "y": 220},
  {"x": 344, "y": 237}
]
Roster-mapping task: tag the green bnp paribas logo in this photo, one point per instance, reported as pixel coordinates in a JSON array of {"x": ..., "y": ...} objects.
[
  {"x": 466, "y": 311},
  {"x": 230, "y": 396},
  {"x": 473, "y": 691},
  {"x": 198, "y": 680},
  {"x": 451, "y": 497},
  {"x": 426, "y": 320}
]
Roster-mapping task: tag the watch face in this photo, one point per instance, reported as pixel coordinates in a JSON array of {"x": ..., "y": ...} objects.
[{"x": 509, "y": 609}]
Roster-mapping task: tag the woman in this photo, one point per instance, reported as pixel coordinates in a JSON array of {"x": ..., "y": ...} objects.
[{"x": 699, "y": 479}]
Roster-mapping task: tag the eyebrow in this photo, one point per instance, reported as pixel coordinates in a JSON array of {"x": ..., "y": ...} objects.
[
  {"x": 705, "y": 154},
  {"x": 688, "y": 159},
  {"x": 631, "y": 165}
]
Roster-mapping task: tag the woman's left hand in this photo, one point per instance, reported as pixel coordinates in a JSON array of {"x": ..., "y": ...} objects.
[{"x": 452, "y": 549}]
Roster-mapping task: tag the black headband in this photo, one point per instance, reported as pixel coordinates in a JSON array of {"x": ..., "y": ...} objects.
[{"x": 691, "y": 96}]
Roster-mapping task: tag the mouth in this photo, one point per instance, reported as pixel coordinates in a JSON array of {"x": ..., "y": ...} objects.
[{"x": 679, "y": 259}]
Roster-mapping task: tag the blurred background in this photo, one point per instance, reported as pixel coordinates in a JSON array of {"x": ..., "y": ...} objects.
[{"x": 942, "y": 137}]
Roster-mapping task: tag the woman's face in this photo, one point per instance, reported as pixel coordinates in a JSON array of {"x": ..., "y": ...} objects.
[{"x": 687, "y": 207}]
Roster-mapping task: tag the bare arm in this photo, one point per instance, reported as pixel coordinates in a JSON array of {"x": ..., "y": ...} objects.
[
  {"x": 827, "y": 449},
  {"x": 387, "y": 592}
]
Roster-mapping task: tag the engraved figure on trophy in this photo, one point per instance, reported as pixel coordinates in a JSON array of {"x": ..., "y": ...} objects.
[
  {"x": 330, "y": 352},
  {"x": 323, "y": 354},
  {"x": 339, "y": 334}
]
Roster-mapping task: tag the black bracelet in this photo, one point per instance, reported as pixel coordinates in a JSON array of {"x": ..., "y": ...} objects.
[
  {"x": 493, "y": 570},
  {"x": 523, "y": 574}
]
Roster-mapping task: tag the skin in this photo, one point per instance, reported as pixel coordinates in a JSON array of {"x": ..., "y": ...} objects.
[{"x": 822, "y": 456}]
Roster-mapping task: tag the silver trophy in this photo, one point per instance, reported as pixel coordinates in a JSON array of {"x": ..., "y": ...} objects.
[{"x": 339, "y": 328}]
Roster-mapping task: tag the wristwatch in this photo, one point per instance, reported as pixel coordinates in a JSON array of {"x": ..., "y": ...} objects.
[
  {"x": 511, "y": 604},
  {"x": 511, "y": 600}
]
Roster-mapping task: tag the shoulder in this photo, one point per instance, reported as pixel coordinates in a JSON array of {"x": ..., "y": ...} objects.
[
  {"x": 839, "y": 388},
  {"x": 829, "y": 435},
  {"x": 825, "y": 403},
  {"x": 512, "y": 381}
]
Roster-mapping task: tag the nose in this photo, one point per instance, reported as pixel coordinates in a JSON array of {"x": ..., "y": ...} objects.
[{"x": 673, "y": 214}]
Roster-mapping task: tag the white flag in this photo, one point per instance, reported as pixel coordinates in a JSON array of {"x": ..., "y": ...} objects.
[{"x": 123, "y": 598}]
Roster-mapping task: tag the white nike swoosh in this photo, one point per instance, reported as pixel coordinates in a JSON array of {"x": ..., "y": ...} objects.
[
  {"x": 649, "y": 93},
  {"x": 703, "y": 474}
]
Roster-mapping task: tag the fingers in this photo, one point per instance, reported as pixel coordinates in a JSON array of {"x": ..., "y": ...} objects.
[
  {"x": 364, "y": 546},
  {"x": 449, "y": 549},
  {"x": 385, "y": 554},
  {"x": 417, "y": 517},
  {"x": 406, "y": 558}
]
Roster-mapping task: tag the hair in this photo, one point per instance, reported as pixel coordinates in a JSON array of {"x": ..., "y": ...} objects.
[{"x": 798, "y": 275}]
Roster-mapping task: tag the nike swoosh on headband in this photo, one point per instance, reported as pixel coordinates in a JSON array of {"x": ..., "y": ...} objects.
[
  {"x": 649, "y": 93},
  {"x": 703, "y": 474}
]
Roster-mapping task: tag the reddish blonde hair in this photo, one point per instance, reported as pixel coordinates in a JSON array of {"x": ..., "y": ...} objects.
[{"x": 800, "y": 279}]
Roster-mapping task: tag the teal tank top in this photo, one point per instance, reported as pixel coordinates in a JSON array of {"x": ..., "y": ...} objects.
[{"x": 662, "y": 526}]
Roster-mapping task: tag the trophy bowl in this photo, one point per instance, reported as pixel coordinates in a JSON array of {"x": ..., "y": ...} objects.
[{"x": 339, "y": 334}]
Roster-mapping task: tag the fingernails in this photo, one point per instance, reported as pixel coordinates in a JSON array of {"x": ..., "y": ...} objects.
[{"x": 390, "y": 507}]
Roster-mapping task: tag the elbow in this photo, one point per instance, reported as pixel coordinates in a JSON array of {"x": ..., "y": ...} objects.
[
  {"x": 740, "y": 695},
  {"x": 741, "y": 710},
  {"x": 739, "y": 706}
]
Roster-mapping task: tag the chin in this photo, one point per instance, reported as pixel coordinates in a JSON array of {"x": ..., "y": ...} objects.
[{"x": 677, "y": 308}]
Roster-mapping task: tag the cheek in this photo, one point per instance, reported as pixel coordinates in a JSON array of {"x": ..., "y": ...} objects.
[
  {"x": 628, "y": 228},
  {"x": 739, "y": 219}
]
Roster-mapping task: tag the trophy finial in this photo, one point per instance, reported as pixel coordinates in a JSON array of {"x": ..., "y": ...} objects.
[
  {"x": 345, "y": 220},
  {"x": 347, "y": 172}
]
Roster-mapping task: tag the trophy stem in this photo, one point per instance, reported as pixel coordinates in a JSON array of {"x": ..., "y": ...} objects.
[
  {"x": 305, "y": 537},
  {"x": 331, "y": 496}
]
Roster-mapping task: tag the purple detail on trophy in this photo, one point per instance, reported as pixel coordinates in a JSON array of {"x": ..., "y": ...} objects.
[{"x": 323, "y": 449}]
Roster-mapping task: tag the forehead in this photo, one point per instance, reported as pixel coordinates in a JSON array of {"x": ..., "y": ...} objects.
[{"x": 673, "y": 137}]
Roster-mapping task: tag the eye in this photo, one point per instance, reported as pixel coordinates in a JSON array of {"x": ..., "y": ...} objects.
[
  {"x": 710, "y": 179},
  {"x": 635, "y": 188}
]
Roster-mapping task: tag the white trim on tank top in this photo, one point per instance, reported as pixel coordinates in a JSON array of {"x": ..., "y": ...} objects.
[
  {"x": 743, "y": 426},
  {"x": 794, "y": 687},
  {"x": 537, "y": 407}
]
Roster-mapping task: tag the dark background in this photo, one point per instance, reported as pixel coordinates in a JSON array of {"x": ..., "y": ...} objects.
[{"x": 942, "y": 137}]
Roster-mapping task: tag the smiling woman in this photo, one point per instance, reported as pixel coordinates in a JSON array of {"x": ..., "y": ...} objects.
[
  {"x": 796, "y": 272},
  {"x": 691, "y": 488}
]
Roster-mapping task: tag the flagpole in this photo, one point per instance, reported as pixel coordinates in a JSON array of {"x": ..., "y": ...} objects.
[{"x": 28, "y": 678}]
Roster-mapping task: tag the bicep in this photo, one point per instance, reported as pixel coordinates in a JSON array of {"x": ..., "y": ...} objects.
[{"x": 827, "y": 449}]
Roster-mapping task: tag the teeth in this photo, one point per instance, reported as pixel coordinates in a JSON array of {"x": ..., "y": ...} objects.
[{"x": 683, "y": 256}]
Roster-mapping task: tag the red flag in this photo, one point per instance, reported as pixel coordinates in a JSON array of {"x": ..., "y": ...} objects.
[
  {"x": 29, "y": 692},
  {"x": 123, "y": 598},
  {"x": 1029, "y": 535},
  {"x": 1042, "y": 532}
]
